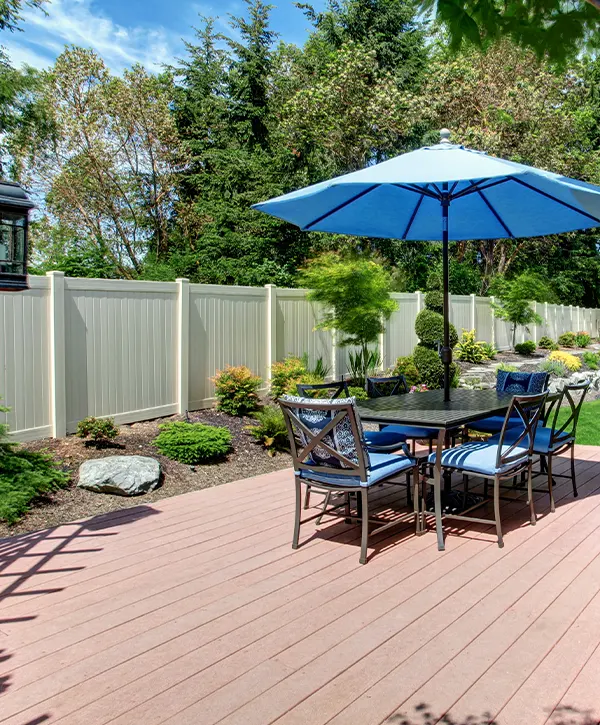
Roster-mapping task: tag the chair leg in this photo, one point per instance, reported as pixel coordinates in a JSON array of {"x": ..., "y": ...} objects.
[
  {"x": 325, "y": 505},
  {"x": 532, "y": 517},
  {"x": 573, "y": 481},
  {"x": 297, "y": 514},
  {"x": 416, "y": 499},
  {"x": 364, "y": 498},
  {"x": 550, "y": 483},
  {"x": 307, "y": 497},
  {"x": 497, "y": 512},
  {"x": 408, "y": 487}
]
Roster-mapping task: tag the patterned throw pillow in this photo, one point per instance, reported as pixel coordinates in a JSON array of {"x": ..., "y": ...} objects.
[
  {"x": 341, "y": 438},
  {"x": 521, "y": 383}
]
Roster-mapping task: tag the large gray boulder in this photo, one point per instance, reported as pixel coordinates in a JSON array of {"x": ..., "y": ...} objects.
[{"x": 121, "y": 475}]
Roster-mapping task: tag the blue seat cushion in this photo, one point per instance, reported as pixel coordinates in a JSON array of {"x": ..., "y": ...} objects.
[
  {"x": 494, "y": 423},
  {"x": 384, "y": 437},
  {"x": 541, "y": 442},
  {"x": 479, "y": 458},
  {"x": 411, "y": 431},
  {"x": 383, "y": 465}
]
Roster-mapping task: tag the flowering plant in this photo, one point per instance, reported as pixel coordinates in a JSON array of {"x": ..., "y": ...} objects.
[{"x": 420, "y": 388}]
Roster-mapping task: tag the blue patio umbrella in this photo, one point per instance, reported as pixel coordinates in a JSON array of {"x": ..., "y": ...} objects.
[{"x": 441, "y": 193}]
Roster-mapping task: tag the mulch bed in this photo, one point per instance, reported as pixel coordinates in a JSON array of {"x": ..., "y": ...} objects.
[{"x": 247, "y": 459}]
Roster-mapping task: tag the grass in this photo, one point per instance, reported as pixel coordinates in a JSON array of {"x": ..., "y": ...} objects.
[{"x": 588, "y": 427}]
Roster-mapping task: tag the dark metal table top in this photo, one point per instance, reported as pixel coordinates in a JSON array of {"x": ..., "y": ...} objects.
[{"x": 430, "y": 411}]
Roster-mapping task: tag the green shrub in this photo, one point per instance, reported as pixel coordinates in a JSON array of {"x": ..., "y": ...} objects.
[
  {"x": 571, "y": 362},
  {"x": 361, "y": 363},
  {"x": 271, "y": 430},
  {"x": 358, "y": 393},
  {"x": 307, "y": 379},
  {"x": 547, "y": 343},
  {"x": 507, "y": 368},
  {"x": 286, "y": 373},
  {"x": 489, "y": 350},
  {"x": 431, "y": 369},
  {"x": 99, "y": 430},
  {"x": 554, "y": 367},
  {"x": 23, "y": 476},
  {"x": 469, "y": 349},
  {"x": 567, "y": 339},
  {"x": 582, "y": 339},
  {"x": 591, "y": 359},
  {"x": 321, "y": 370},
  {"x": 236, "y": 390},
  {"x": 429, "y": 327},
  {"x": 406, "y": 366},
  {"x": 434, "y": 300},
  {"x": 193, "y": 443},
  {"x": 525, "y": 348}
]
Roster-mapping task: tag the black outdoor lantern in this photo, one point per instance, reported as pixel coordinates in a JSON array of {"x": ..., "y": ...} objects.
[{"x": 14, "y": 213}]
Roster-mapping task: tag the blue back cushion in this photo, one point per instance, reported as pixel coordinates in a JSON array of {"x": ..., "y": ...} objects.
[
  {"x": 521, "y": 383},
  {"x": 341, "y": 438}
]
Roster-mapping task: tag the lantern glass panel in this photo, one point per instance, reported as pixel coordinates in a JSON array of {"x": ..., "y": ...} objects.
[{"x": 12, "y": 242}]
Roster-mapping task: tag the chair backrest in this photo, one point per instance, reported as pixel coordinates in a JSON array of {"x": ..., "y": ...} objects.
[
  {"x": 384, "y": 387},
  {"x": 323, "y": 390},
  {"x": 521, "y": 383},
  {"x": 529, "y": 409},
  {"x": 574, "y": 395},
  {"x": 325, "y": 435}
]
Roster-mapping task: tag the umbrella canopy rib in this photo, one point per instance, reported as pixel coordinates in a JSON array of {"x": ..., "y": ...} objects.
[
  {"x": 413, "y": 215},
  {"x": 480, "y": 186},
  {"x": 494, "y": 212},
  {"x": 558, "y": 201},
  {"x": 364, "y": 192}
]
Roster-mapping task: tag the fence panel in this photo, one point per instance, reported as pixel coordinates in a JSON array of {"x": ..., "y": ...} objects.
[
  {"x": 119, "y": 349},
  {"x": 461, "y": 312},
  {"x": 227, "y": 327},
  {"x": 24, "y": 370},
  {"x": 296, "y": 334},
  {"x": 400, "y": 334},
  {"x": 484, "y": 321}
]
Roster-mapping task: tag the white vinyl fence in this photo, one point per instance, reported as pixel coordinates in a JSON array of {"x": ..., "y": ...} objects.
[{"x": 70, "y": 348}]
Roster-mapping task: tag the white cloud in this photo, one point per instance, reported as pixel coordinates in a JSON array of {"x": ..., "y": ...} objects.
[{"x": 78, "y": 22}]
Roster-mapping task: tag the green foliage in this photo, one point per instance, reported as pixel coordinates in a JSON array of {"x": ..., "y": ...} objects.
[
  {"x": 554, "y": 367},
  {"x": 99, "y": 430},
  {"x": 306, "y": 379},
  {"x": 236, "y": 390},
  {"x": 489, "y": 351},
  {"x": 193, "y": 443},
  {"x": 406, "y": 366},
  {"x": 588, "y": 427},
  {"x": 321, "y": 369},
  {"x": 286, "y": 373},
  {"x": 469, "y": 349},
  {"x": 355, "y": 294},
  {"x": 270, "y": 430},
  {"x": 582, "y": 339},
  {"x": 567, "y": 339},
  {"x": 525, "y": 348},
  {"x": 547, "y": 343},
  {"x": 24, "y": 475},
  {"x": 507, "y": 368},
  {"x": 515, "y": 297},
  {"x": 591, "y": 360},
  {"x": 363, "y": 364},
  {"x": 434, "y": 300},
  {"x": 358, "y": 393},
  {"x": 431, "y": 370},
  {"x": 429, "y": 326}
]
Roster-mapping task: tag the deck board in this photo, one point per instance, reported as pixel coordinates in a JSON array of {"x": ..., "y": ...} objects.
[{"x": 195, "y": 610}]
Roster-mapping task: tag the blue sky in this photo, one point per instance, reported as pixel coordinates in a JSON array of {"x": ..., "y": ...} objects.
[{"x": 124, "y": 32}]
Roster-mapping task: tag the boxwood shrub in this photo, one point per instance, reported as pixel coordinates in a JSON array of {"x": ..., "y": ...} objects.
[
  {"x": 429, "y": 327},
  {"x": 431, "y": 369}
]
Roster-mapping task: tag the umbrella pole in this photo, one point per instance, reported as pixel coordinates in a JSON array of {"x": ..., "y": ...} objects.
[{"x": 446, "y": 349}]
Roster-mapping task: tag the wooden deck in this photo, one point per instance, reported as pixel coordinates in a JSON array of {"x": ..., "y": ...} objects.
[{"x": 196, "y": 611}]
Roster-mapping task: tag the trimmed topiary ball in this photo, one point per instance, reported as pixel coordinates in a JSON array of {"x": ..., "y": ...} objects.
[
  {"x": 429, "y": 327},
  {"x": 525, "y": 348},
  {"x": 434, "y": 300},
  {"x": 431, "y": 369}
]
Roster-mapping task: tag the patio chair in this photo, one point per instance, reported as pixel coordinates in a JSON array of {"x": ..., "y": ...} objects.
[
  {"x": 498, "y": 460},
  {"x": 554, "y": 439},
  {"x": 323, "y": 390},
  {"x": 511, "y": 382},
  {"x": 330, "y": 454}
]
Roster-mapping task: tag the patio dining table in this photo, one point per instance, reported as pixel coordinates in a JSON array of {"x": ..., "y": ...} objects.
[{"x": 430, "y": 410}]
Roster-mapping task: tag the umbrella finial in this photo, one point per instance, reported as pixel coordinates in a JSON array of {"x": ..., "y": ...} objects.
[{"x": 444, "y": 136}]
